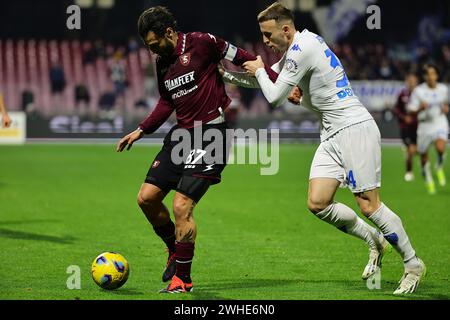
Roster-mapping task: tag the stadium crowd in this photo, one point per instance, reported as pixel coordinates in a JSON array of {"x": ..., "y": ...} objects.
[
  {"x": 377, "y": 61},
  {"x": 99, "y": 77}
]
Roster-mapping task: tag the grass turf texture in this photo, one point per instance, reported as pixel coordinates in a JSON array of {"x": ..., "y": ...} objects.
[{"x": 62, "y": 205}]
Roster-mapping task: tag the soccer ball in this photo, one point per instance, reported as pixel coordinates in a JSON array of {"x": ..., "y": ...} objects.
[{"x": 110, "y": 270}]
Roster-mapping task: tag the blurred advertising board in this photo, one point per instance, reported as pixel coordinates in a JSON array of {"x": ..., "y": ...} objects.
[{"x": 16, "y": 132}]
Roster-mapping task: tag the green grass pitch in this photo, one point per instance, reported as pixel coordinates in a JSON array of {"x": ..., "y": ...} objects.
[{"x": 62, "y": 205}]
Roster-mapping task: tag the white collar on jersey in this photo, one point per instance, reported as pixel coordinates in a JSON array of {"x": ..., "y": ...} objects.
[
  {"x": 183, "y": 46},
  {"x": 294, "y": 41},
  {"x": 296, "y": 38}
]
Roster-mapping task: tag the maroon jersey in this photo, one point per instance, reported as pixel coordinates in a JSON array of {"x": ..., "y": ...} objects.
[
  {"x": 401, "y": 111},
  {"x": 189, "y": 82}
]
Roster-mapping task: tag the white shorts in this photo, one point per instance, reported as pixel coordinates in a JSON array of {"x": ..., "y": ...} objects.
[
  {"x": 427, "y": 134},
  {"x": 351, "y": 156}
]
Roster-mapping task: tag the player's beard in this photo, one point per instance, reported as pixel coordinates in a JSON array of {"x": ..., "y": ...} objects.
[
  {"x": 279, "y": 47},
  {"x": 167, "y": 50},
  {"x": 278, "y": 50}
]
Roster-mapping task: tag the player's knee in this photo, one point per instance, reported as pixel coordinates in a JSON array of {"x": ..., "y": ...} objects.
[
  {"x": 145, "y": 199},
  {"x": 180, "y": 210},
  {"x": 423, "y": 158},
  {"x": 368, "y": 207},
  {"x": 316, "y": 205}
]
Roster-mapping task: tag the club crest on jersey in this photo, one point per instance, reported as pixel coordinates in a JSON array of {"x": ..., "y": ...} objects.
[
  {"x": 185, "y": 59},
  {"x": 155, "y": 163},
  {"x": 291, "y": 65}
]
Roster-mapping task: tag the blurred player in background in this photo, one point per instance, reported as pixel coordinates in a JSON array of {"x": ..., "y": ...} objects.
[
  {"x": 189, "y": 84},
  {"x": 350, "y": 148},
  {"x": 6, "y": 120},
  {"x": 429, "y": 101},
  {"x": 407, "y": 123}
]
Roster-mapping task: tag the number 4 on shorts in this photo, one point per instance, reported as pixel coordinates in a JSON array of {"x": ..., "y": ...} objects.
[{"x": 351, "y": 179}]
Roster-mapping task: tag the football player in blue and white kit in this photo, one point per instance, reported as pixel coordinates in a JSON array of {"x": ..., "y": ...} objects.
[
  {"x": 429, "y": 101},
  {"x": 350, "y": 149}
]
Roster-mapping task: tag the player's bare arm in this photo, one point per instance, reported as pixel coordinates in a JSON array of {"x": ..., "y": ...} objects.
[{"x": 6, "y": 120}]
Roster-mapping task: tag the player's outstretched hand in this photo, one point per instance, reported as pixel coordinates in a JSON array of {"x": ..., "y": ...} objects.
[
  {"x": 252, "y": 66},
  {"x": 444, "y": 108},
  {"x": 423, "y": 106},
  {"x": 408, "y": 119},
  {"x": 129, "y": 139},
  {"x": 6, "y": 121},
  {"x": 295, "y": 96}
]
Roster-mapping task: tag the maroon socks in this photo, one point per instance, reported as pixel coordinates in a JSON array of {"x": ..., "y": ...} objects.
[{"x": 184, "y": 253}]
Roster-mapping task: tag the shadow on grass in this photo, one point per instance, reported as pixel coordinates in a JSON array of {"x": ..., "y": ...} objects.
[
  {"x": 200, "y": 294},
  {"x": 13, "y": 234},
  {"x": 113, "y": 294},
  {"x": 18, "y": 222},
  {"x": 210, "y": 291},
  {"x": 422, "y": 296},
  {"x": 426, "y": 291},
  {"x": 124, "y": 292}
]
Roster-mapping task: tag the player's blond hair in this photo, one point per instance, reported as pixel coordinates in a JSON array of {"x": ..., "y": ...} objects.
[{"x": 276, "y": 11}]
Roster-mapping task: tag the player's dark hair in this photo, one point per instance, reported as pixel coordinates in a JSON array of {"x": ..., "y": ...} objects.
[
  {"x": 429, "y": 65},
  {"x": 156, "y": 19},
  {"x": 276, "y": 11},
  {"x": 411, "y": 73}
]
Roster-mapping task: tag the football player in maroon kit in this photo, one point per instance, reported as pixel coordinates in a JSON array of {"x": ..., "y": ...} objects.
[
  {"x": 407, "y": 123},
  {"x": 189, "y": 84}
]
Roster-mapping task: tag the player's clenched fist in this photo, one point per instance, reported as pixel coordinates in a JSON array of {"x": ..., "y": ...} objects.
[
  {"x": 129, "y": 139},
  {"x": 423, "y": 106},
  {"x": 295, "y": 96},
  {"x": 252, "y": 66}
]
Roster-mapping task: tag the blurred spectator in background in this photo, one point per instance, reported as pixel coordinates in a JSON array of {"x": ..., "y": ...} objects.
[
  {"x": 82, "y": 98},
  {"x": 93, "y": 51},
  {"x": 6, "y": 120},
  {"x": 107, "y": 103},
  {"x": 133, "y": 45},
  {"x": 57, "y": 83},
  {"x": 117, "y": 73},
  {"x": 89, "y": 54},
  {"x": 259, "y": 106},
  {"x": 100, "y": 50},
  {"x": 27, "y": 101},
  {"x": 145, "y": 105},
  {"x": 141, "y": 104},
  {"x": 150, "y": 83},
  {"x": 57, "y": 78},
  {"x": 385, "y": 70},
  {"x": 407, "y": 123},
  {"x": 445, "y": 54}
]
